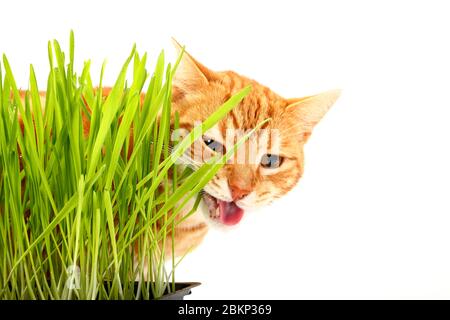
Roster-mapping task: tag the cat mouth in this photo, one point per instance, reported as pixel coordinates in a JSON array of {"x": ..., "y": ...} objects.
[{"x": 225, "y": 212}]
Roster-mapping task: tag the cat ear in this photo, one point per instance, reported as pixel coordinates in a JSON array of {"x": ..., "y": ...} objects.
[
  {"x": 310, "y": 110},
  {"x": 190, "y": 73}
]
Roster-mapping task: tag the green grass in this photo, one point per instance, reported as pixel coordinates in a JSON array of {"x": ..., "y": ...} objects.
[{"x": 78, "y": 214}]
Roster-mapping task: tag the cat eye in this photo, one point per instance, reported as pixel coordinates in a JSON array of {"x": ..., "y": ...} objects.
[
  {"x": 271, "y": 161},
  {"x": 214, "y": 145}
]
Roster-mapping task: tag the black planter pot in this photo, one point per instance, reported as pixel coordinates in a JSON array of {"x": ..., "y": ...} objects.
[{"x": 182, "y": 289}]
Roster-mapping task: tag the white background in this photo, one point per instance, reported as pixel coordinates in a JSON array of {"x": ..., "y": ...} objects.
[{"x": 371, "y": 216}]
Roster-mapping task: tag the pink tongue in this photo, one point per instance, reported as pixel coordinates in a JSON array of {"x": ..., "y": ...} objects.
[{"x": 230, "y": 213}]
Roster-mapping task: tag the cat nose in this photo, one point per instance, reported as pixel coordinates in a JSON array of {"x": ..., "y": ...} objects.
[{"x": 239, "y": 193}]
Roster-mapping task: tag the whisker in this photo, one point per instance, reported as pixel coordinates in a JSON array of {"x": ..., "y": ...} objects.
[{"x": 290, "y": 128}]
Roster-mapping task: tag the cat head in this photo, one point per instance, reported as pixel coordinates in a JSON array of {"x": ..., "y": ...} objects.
[{"x": 270, "y": 163}]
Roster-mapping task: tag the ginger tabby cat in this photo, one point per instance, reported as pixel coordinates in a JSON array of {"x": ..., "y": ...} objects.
[{"x": 267, "y": 172}]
